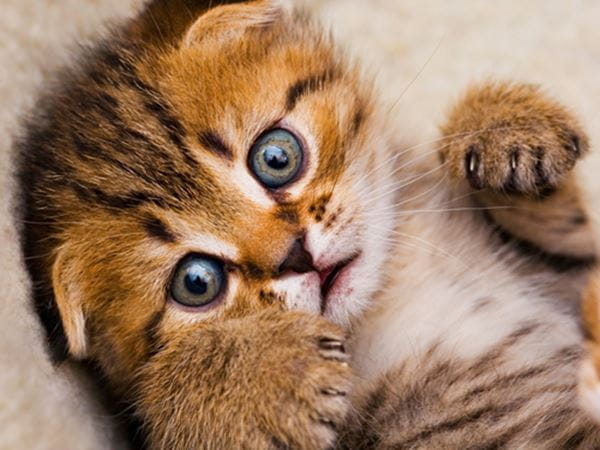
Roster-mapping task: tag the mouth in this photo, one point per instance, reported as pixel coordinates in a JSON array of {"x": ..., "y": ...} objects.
[{"x": 330, "y": 276}]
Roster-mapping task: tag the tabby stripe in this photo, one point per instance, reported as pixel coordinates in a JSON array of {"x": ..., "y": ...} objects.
[
  {"x": 553, "y": 420},
  {"x": 575, "y": 440},
  {"x": 175, "y": 130},
  {"x": 90, "y": 151},
  {"x": 506, "y": 381},
  {"x": 375, "y": 401},
  {"x": 156, "y": 228},
  {"x": 487, "y": 413},
  {"x": 153, "y": 175},
  {"x": 559, "y": 263},
  {"x": 154, "y": 105},
  {"x": 105, "y": 104},
  {"x": 166, "y": 174},
  {"x": 129, "y": 134},
  {"x": 185, "y": 179},
  {"x": 357, "y": 121},
  {"x": 158, "y": 174},
  {"x": 288, "y": 213},
  {"x": 567, "y": 355},
  {"x": 151, "y": 332},
  {"x": 118, "y": 61},
  {"x": 505, "y": 438},
  {"x": 44, "y": 161},
  {"x": 482, "y": 364},
  {"x": 307, "y": 86},
  {"x": 213, "y": 142},
  {"x": 124, "y": 201}
]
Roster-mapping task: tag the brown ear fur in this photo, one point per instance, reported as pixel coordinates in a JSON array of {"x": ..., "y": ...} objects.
[
  {"x": 230, "y": 22},
  {"x": 165, "y": 22},
  {"x": 69, "y": 304}
]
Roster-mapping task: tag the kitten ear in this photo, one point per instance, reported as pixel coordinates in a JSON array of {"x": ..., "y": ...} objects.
[
  {"x": 68, "y": 301},
  {"x": 228, "y": 22}
]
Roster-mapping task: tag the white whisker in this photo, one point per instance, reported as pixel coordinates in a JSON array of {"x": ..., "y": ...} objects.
[
  {"x": 433, "y": 246},
  {"x": 419, "y": 73},
  {"x": 440, "y": 211}
]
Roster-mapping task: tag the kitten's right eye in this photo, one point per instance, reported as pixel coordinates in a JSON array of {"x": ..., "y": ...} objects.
[
  {"x": 276, "y": 158},
  {"x": 198, "y": 281}
]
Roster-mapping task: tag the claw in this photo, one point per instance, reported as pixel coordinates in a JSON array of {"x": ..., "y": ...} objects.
[
  {"x": 473, "y": 162},
  {"x": 333, "y": 392},
  {"x": 575, "y": 144},
  {"x": 514, "y": 160},
  {"x": 328, "y": 423},
  {"x": 332, "y": 344}
]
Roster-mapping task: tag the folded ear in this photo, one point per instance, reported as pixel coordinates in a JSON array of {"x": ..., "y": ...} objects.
[
  {"x": 68, "y": 301},
  {"x": 231, "y": 21}
]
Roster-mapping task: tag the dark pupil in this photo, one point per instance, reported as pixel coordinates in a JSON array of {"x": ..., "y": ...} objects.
[
  {"x": 196, "y": 284},
  {"x": 276, "y": 158}
]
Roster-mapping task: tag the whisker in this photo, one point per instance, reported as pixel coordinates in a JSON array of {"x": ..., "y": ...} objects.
[
  {"x": 406, "y": 150},
  {"x": 427, "y": 250},
  {"x": 431, "y": 245},
  {"x": 400, "y": 182},
  {"x": 440, "y": 211},
  {"x": 419, "y": 73}
]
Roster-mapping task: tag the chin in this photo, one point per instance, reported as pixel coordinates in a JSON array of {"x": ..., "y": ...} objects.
[{"x": 339, "y": 293}]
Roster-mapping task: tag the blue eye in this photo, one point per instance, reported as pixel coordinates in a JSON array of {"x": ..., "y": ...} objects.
[
  {"x": 276, "y": 158},
  {"x": 198, "y": 281}
]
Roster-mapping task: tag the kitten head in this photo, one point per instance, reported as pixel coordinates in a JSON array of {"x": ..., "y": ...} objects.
[{"x": 203, "y": 170}]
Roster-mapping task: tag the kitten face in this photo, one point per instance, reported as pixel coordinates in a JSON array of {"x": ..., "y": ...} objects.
[
  {"x": 307, "y": 93},
  {"x": 170, "y": 218}
]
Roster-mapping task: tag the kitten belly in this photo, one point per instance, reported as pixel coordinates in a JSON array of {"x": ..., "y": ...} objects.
[{"x": 454, "y": 290}]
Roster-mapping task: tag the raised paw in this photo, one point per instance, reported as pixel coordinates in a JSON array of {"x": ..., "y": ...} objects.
[
  {"x": 317, "y": 402},
  {"x": 511, "y": 138}
]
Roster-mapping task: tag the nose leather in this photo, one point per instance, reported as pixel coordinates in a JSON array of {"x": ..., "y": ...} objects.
[{"x": 298, "y": 259}]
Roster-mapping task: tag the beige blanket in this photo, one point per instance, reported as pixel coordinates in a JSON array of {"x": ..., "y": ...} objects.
[{"x": 423, "y": 53}]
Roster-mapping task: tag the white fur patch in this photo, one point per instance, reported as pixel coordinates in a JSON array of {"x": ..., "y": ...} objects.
[{"x": 302, "y": 292}]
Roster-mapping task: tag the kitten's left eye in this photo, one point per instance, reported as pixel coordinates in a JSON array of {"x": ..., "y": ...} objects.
[{"x": 276, "y": 158}]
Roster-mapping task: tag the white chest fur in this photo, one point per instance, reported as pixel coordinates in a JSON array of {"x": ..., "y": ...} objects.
[{"x": 453, "y": 286}]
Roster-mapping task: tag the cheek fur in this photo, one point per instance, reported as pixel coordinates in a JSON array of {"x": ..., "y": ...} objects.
[{"x": 301, "y": 291}]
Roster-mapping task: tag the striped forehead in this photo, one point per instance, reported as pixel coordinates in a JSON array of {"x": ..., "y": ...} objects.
[
  {"x": 305, "y": 105},
  {"x": 196, "y": 123}
]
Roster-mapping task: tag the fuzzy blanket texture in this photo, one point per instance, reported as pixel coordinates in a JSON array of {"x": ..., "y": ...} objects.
[{"x": 423, "y": 53}]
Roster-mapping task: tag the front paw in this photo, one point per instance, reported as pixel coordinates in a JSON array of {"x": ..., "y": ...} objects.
[
  {"x": 314, "y": 380},
  {"x": 510, "y": 138},
  {"x": 270, "y": 380}
]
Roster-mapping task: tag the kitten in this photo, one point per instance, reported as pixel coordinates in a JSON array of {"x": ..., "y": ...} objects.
[{"x": 208, "y": 182}]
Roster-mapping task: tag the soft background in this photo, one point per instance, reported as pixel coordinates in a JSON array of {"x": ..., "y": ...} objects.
[{"x": 423, "y": 53}]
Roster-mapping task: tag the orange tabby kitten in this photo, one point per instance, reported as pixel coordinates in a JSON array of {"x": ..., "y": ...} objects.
[{"x": 212, "y": 202}]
